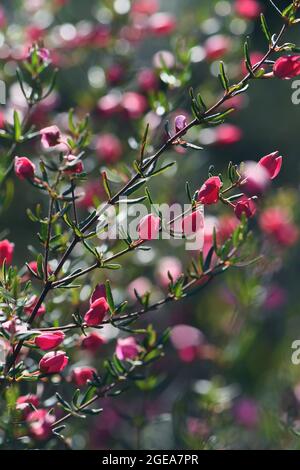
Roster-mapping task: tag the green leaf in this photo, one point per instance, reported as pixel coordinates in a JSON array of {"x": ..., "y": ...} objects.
[
  {"x": 208, "y": 259},
  {"x": 135, "y": 187},
  {"x": 265, "y": 28},
  {"x": 40, "y": 264},
  {"x": 112, "y": 266},
  {"x": 144, "y": 143},
  {"x": 17, "y": 127},
  {"x": 223, "y": 77},
  {"x": 109, "y": 297},
  {"x": 163, "y": 169},
  {"x": 247, "y": 57},
  {"x": 106, "y": 184}
]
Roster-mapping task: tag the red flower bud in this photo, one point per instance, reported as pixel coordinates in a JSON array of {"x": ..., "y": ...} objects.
[
  {"x": 244, "y": 206},
  {"x": 24, "y": 168},
  {"x": 272, "y": 163},
  {"x": 40, "y": 424},
  {"x": 209, "y": 191},
  {"x": 53, "y": 362},
  {"x": 49, "y": 340},
  {"x": 148, "y": 227},
  {"x": 6, "y": 251},
  {"x": 73, "y": 165},
  {"x": 180, "y": 123},
  {"x": 249, "y": 9},
  {"x": 96, "y": 313},
  {"x": 92, "y": 342},
  {"x": 127, "y": 348},
  {"x": 287, "y": 67},
  {"x": 51, "y": 136},
  {"x": 80, "y": 375}
]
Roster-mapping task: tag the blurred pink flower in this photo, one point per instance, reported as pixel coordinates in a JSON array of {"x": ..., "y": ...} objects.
[
  {"x": 168, "y": 264},
  {"x": 216, "y": 46},
  {"x": 246, "y": 412},
  {"x": 108, "y": 148}
]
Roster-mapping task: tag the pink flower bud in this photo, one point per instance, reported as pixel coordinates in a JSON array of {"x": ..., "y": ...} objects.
[
  {"x": 228, "y": 134},
  {"x": 24, "y": 168},
  {"x": 33, "y": 266},
  {"x": 109, "y": 148},
  {"x": 276, "y": 223},
  {"x": 216, "y": 46},
  {"x": 255, "y": 180},
  {"x": 145, "y": 7},
  {"x": 114, "y": 74},
  {"x": 109, "y": 104},
  {"x": 192, "y": 223},
  {"x": 127, "y": 348},
  {"x": 92, "y": 342},
  {"x": 40, "y": 424},
  {"x": 98, "y": 292},
  {"x": 15, "y": 325},
  {"x": 134, "y": 104},
  {"x": 209, "y": 191},
  {"x": 2, "y": 17},
  {"x": 161, "y": 24},
  {"x": 227, "y": 225},
  {"x": 6, "y": 251},
  {"x": 29, "y": 307},
  {"x": 147, "y": 80},
  {"x": 180, "y": 123},
  {"x": 24, "y": 402},
  {"x": 51, "y": 136},
  {"x": 148, "y": 228},
  {"x": 49, "y": 340},
  {"x": 80, "y": 375},
  {"x": 163, "y": 58},
  {"x": 53, "y": 362},
  {"x": 244, "y": 206},
  {"x": 249, "y": 9},
  {"x": 272, "y": 163},
  {"x": 246, "y": 413},
  {"x": 73, "y": 165},
  {"x": 96, "y": 313},
  {"x": 2, "y": 120},
  {"x": 287, "y": 67}
]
